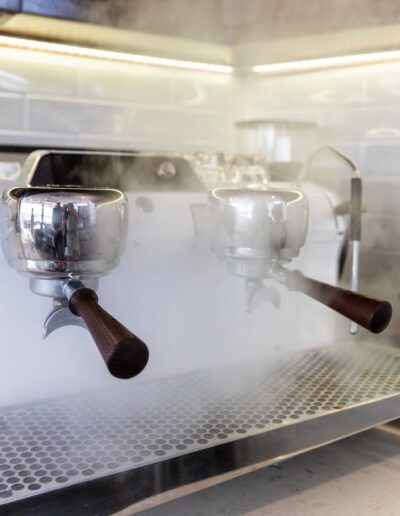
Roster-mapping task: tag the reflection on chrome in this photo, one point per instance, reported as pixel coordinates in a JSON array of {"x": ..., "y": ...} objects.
[{"x": 64, "y": 230}]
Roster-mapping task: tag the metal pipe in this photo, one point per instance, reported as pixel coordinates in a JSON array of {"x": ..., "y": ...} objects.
[
  {"x": 355, "y": 210},
  {"x": 355, "y": 260}
]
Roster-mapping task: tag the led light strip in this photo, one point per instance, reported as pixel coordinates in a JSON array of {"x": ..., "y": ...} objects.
[
  {"x": 327, "y": 62},
  {"x": 70, "y": 50},
  {"x": 268, "y": 69}
]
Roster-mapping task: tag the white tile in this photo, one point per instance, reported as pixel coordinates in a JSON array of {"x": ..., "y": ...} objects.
[
  {"x": 103, "y": 119},
  {"x": 129, "y": 127},
  {"x": 205, "y": 145},
  {"x": 380, "y": 159},
  {"x": 383, "y": 83},
  {"x": 49, "y": 115},
  {"x": 197, "y": 90},
  {"x": 373, "y": 123},
  {"x": 117, "y": 142},
  {"x": 29, "y": 72},
  {"x": 157, "y": 124},
  {"x": 318, "y": 90},
  {"x": 114, "y": 104},
  {"x": 156, "y": 127},
  {"x": 135, "y": 105},
  {"x": 39, "y": 139},
  {"x": 212, "y": 124},
  {"x": 381, "y": 196},
  {"x": 125, "y": 82},
  {"x": 11, "y": 112}
]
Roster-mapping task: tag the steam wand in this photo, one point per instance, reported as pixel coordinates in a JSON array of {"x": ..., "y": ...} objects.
[
  {"x": 370, "y": 313},
  {"x": 355, "y": 210}
]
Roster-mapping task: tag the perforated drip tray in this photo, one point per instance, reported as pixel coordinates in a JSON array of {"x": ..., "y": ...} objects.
[{"x": 53, "y": 444}]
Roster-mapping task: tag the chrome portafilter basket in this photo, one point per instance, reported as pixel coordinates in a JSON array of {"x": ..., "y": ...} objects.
[
  {"x": 257, "y": 230},
  {"x": 64, "y": 239}
]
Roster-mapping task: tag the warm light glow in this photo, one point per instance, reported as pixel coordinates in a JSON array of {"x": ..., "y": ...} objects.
[
  {"x": 70, "y": 50},
  {"x": 327, "y": 62}
]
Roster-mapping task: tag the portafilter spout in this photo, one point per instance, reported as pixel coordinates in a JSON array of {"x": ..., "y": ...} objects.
[{"x": 63, "y": 239}]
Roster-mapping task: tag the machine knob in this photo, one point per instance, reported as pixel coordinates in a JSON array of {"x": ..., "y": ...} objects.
[{"x": 166, "y": 171}]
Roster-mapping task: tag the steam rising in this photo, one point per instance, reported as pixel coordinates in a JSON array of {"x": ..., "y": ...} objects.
[{"x": 170, "y": 288}]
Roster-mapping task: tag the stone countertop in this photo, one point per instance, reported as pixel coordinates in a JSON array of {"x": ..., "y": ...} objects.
[{"x": 357, "y": 476}]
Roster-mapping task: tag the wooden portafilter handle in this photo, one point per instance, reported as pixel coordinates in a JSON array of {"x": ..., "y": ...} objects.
[
  {"x": 371, "y": 313},
  {"x": 124, "y": 354}
]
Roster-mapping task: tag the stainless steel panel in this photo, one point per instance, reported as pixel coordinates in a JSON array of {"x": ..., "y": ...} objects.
[{"x": 62, "y": 442}]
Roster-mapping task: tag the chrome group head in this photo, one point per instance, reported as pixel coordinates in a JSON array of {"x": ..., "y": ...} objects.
[{"x": 56, "y": 232}]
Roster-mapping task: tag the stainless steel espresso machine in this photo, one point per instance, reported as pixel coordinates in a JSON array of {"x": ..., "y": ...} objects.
[{"x": 244, "y": 369}]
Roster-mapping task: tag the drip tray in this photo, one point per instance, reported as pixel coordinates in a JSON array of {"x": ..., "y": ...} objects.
[{"x": 50, "y": 445}]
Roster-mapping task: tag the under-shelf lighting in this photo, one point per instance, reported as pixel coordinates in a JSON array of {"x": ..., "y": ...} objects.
[
  {"x": 94, "y": 53},
  {"x": 327, "y": 62}
]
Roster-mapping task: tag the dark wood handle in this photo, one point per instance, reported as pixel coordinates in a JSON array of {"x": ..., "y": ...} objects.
[
  {"x": 124, "y": 354},
  {"x": 371, "y": 313}
]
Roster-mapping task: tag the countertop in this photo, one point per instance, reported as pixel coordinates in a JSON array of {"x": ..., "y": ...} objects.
[{"x": 357, "y": 476}]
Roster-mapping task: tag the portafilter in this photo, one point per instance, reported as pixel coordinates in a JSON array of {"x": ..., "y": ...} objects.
[
  {"x": 257, "y": 230},
  {"x": 64, "y": 239}
]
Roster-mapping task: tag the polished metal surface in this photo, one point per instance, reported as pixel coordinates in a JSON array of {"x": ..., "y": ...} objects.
[
  {"x": 55, "y": 288},
  {"x": 258, "y": 293},
  {"x": 253, "y": 226},
  {"x": 126, "y": 171},
  {"x": 60, "y": 315},
  {"x": 71, "y": 286},
  {"x": 355, "y": 207},
  {"x": 58, "y": 232},
  {"x": 166, "y": 171},
  {"x": 363, "y": 468},
  {"x": 355, "y": 271},
  {"x": 290, "y": 405}
]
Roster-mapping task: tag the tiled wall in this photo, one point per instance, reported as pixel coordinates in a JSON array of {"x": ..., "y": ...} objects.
[
  {"x": 57, "y": 100},
  {"x": 357, "y": 109}
]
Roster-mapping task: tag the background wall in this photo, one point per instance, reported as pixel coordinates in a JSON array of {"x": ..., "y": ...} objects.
[
  {"x": 42, "y": 97},
  {"x": 57, "y": 100},
  {"x": 357, "y": 109}
]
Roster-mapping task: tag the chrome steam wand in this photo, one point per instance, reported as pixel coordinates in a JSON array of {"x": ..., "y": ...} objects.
[{"x": 355, "y": 211}]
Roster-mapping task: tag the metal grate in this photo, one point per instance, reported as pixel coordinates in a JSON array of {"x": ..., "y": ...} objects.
[{"x": 56, "y": 443}]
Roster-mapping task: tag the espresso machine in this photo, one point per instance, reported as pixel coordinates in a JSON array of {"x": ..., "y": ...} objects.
[{"x": 244, "y": 369}]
